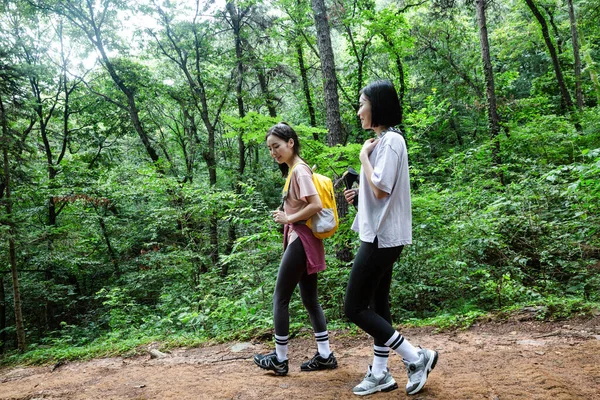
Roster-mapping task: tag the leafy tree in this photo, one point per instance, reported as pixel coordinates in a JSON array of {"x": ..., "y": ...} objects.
[
  {"x": 96, "y": 23},
  {"x": 136, "y": 250},
  {"x": 493, "y": 118},
  {"x": 298, "y": 13},
  {"x": 576, "y": 56},
  {"x": 566, "y": 96}
]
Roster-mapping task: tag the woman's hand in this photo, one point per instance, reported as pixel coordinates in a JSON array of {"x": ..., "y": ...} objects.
[
  {"x": 367, "y": 148},
  {"x": 280, "y": 217},
  {"x": 350, "y": 195},
  {"x": 368, "y": 168}
]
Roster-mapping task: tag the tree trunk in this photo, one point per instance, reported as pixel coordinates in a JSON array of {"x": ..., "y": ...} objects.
[
  {"x": 198, "y": 91},
  {"x": 198, "y": 88},
  {"x": 577, "y": 58},
  {"x": 264, "y": 87},
  {"x": 134, "y": 113},
  {"x": 402, "y": 83},
  {"x": 401, "y": 90},
  {"x": 236, "y": 18},
  {"x": 113, "y": 257},
  {"x": 298, "y": 42},
  {"x": 332, "y": 104},
  {"x": 209, "y": 155},
  {"x": 214, "y": 240},
  {"x": 188, "y": 141},
  {"x": 566, "y": 97},
  {"x": 590, "y": 68},
  {"x": 12, "y": 255},
  {"x": 360, "y": 55},
  {"x": 306, "y": 88},
  {"x": 50, "y": 306},
  {"x": 557, "y": 35},
  {"x": 454, "y": 127},
  {"x": 13, "y": 260},
  {"x": 2, "y": 314},
  {"x": 493, "y": 119}
]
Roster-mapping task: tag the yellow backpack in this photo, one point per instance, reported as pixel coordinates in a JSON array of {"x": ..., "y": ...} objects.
[{"x": 324, "y": 223}]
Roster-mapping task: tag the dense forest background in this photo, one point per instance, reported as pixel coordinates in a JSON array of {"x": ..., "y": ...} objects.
[{"x": 136, "y": 185}]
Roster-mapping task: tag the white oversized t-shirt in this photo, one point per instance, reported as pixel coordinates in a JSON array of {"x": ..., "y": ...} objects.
[{"x": 389, "y": 219}]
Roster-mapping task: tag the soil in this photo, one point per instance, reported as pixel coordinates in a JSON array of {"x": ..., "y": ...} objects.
[{"x": 518, "y": 358}]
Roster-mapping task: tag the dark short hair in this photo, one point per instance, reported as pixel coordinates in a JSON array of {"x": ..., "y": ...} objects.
[
  {"x": 284, "y": 132},
  {"x": 385, "y": 106}
]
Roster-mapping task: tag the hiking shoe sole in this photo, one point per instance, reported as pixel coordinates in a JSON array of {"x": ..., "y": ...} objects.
[
  {"x": 370, "y": 384},
  {"x": 382, "y": 388}
]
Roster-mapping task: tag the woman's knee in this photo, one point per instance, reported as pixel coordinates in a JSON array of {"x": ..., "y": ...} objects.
[
  {"x": 281, "y": 302},
  {"x": 311, "y": 304},
  {"x": 351, "y": 310}
]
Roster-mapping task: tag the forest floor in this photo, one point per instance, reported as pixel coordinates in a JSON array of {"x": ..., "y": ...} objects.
[{"x": 518, "y": 358}]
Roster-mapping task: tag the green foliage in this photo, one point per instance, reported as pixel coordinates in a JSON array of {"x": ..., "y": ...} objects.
[
  {"x": 560, "y": 308},
  {"x": 445, "y": 322},
  {"x": 253, "y": 127},
  {"x": 143, "y": 251}
]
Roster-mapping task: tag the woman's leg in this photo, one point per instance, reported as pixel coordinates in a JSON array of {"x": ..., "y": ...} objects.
[
  {"x": 293, "y": 265},
  {"x": 371, "y": 273},
  {"x": 309, "y": 295},
  {"x": 371, "y": 265},
  {"x": 381, "y": 305},
  {"x": 291, "y": 269},
  {"x": 310, "y": 300}
]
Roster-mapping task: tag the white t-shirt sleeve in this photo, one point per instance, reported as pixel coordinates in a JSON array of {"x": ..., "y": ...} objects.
[{"x": 385, "y": 168}]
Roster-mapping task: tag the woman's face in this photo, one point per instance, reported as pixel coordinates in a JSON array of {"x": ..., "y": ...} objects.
[
  {"x": 280, "y": 150},
  {"x": 364, "y": 111}
]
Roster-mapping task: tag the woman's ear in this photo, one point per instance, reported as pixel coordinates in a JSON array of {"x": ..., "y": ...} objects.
[{"x": 291, "y": 143}]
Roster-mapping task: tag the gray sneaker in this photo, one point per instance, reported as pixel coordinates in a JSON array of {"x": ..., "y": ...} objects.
[
  {"x": 418, "y": 370},
  {"x": 371, "y": 384}
]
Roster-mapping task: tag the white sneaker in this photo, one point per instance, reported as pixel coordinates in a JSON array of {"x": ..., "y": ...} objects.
[
  {"x": 371, "y": 384},
  {"x": 418, "y": 370}
]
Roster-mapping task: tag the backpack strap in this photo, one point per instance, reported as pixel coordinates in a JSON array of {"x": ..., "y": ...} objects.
[{"x": 286, "y": 187}]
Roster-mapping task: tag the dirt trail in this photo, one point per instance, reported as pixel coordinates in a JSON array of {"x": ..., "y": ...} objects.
[{"x": 508, "y": 360}]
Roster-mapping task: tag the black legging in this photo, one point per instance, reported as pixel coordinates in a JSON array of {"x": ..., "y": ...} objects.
[
  {"x": 292, "y": 271},
  {"x": 367, "y": 295}
]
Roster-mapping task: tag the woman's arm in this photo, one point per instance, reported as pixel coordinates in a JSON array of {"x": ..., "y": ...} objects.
[
  {"x": 314, "y": 206},
  {"x": 368, "y": 168}
]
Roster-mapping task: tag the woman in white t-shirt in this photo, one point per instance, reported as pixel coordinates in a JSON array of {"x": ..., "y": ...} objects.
[
  {"x": 303, "y": 257},
  {"x": 383, "y": 222}
]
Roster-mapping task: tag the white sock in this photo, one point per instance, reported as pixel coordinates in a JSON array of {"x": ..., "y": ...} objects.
[
  {"x": 403, "y": 348},
  {"x": 380, "y": 360},
  {"x": 281, "y": 347},
  {"x": 323, "y": 344}
]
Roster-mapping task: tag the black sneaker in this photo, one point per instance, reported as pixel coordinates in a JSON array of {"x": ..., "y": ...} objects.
[
  {"x": 318, "y": 363},
  {"x": 271, "y": 363}
]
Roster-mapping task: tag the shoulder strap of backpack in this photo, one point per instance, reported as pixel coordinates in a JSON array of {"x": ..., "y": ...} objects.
[{"x": 286, "y": 187}]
